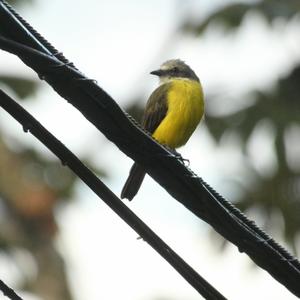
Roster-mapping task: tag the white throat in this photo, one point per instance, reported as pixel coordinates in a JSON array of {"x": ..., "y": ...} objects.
[{"x": 166, "y": 79}]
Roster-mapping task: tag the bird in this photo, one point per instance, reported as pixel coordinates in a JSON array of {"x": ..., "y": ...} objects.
[{"x": 171, "y": 115}]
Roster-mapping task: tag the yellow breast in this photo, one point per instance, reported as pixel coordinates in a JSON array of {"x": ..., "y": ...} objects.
[{"x": 185, "y": 110}]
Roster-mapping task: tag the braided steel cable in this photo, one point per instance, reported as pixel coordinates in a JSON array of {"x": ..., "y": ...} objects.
[{"x": 41, "y": 40}]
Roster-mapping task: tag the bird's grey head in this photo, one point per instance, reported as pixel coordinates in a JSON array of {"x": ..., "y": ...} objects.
[{"x": 174, "y": 68}]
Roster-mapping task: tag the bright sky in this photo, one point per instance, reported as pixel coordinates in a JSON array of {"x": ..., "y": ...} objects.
[{"x": 118, "y": 43}]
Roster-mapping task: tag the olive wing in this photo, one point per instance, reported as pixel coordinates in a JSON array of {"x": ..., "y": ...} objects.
[{"x": 156, "y": 108}]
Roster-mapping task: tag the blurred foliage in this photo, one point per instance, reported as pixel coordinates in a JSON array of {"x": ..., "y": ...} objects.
[
  {"x": 23, "y": 87},
  {"x": 266, "y": 194},
  {"x": 278, "y": 193},
  {"x": 18, "y": 3},
  {"x": 31, "y": 188},
  {"x": 280, "y": 106},
  {"x": 231, "y": 16}
]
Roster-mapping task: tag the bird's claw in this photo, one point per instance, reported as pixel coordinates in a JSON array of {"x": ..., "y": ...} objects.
[{"x": 178, "y": 156}]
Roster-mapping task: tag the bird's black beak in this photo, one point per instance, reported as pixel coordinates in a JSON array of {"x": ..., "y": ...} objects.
[{"x": 157, "y": 72}]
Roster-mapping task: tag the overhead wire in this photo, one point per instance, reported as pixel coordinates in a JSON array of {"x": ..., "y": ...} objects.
[{"x": 233, "y": 220}]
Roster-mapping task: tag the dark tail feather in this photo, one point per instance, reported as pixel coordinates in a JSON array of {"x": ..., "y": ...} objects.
[{"x": 133, "y": 182}]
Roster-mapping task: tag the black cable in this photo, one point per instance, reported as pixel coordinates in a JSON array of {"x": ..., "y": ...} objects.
[
  {"x": 228, "y": 205},
  {"x": 180, "y": 182},
  {"x": 40, "y": 43},
  {"x": 30, "y": 124},
  {"x": 8, "y": 292},
  {"x": 237, "y": 213},
  {"x": 186, "y": 187}
]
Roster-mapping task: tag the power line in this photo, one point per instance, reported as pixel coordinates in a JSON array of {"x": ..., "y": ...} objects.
[
  {"x": 101, "y": 110},
  {"x": 31, "y": 125}
]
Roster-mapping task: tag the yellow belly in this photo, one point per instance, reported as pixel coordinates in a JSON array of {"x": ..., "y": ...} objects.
[{"x": 185, "y": 110}]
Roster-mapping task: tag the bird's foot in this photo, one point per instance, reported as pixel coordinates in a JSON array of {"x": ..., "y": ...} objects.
[{"x": 185, "y": 161}]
